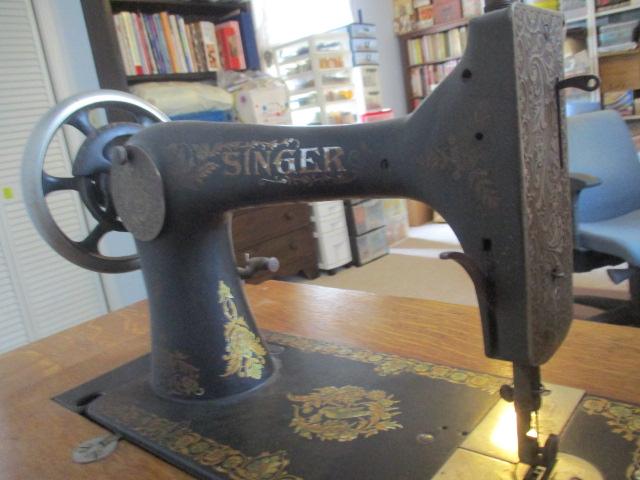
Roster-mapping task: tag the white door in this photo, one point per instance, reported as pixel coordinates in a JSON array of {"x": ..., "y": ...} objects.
[{"x": 40, "y": 292}]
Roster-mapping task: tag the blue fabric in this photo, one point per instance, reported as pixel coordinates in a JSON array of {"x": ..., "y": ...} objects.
[
  {"x": 600, "y": 145},
  {"x": 619, "y": 236}
]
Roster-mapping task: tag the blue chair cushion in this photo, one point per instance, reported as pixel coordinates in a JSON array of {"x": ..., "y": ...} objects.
[{"x": 619, "y": 236}]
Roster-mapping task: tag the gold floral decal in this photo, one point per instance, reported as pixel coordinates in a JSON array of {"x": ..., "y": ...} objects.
[
  {"x": 180, "y": 377},
  {"x": 386, "y": 364},
  {"x": 343, "y": 413},
  {"x": 180, "y": 438},
  {"x": 245, "y": 355},
  {"x": 624, "y": 419}
]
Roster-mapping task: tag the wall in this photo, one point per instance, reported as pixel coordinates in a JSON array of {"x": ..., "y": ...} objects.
[{"x": 380, "y": 12}]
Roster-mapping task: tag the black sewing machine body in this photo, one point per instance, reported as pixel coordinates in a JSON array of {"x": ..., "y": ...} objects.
[{"x": 486, "y": 150}]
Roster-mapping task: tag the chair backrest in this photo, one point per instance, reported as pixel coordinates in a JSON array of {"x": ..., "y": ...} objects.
[{"x": 600, "y": 144}]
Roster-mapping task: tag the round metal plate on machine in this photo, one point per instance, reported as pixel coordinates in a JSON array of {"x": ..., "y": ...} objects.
[
  {"x": 138, "y": 194},
  {"x": 569, "y": 467}
]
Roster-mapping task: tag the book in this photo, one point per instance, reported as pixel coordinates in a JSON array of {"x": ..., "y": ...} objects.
[
  {"x": 136, "y": 56},
  {"x": 162, "y": 44},
  {"x": 184, "y": 41},
  {"x": 210, "y": 43},
  {"x": 230, "y": 44},
  {"x": 154, "y": 29},
  {"x": 177, "y": 44},
  {"x": 123, "y": 45},
  {"x": 157, "y": 60},
  {"x": 453, "y": 40},
  {"x": 143, "y": 41},
  {"x": 249, "y": 44},
  {"x": 166, "y": 30}
]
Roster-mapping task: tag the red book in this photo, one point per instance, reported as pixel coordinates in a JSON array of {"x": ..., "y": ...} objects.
[
  {"x": 144, "y": 44},
  {"x": 230, "y": 45}
]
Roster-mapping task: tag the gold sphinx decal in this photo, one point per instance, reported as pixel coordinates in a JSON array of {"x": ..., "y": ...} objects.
[
  {"x": 245, "y": 355},
  {"x": 276, "y": 160},
  {"x": 343, "y": 413}
]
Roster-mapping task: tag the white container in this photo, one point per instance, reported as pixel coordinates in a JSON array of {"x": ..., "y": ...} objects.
[
  {"x": 331, "y": 234},
  {"x": 334, "y": 250}
]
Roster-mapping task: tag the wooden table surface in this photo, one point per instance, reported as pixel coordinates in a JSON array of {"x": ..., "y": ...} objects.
[{"x": 37, "y": 435}]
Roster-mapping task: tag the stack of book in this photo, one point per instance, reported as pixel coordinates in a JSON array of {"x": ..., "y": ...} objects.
[
  {"x": 425, "y": 79},
  {"x": 616, "y": 37},
  {"x": 163, "y": 43},
  {"x": 602, "y": 5},
  {"x": 621, "y": 101},
  {"x": 437, "y": 47}
]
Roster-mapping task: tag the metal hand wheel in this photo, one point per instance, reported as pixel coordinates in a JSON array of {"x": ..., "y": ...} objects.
[{"x": 90, "y": 171}]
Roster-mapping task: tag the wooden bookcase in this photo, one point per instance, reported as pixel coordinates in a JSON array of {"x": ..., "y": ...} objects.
[
  {"x": 98, "y": 16},
  {"x": 407, "y": 66}
]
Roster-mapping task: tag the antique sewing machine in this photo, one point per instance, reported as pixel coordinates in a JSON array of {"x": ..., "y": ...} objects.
[{"x": 215, "y": 397}]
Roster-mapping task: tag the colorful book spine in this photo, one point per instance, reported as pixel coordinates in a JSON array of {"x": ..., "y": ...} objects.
[
  {"x": 143, "y": 41},
  {"x": 184, "y": 41},
  {"x": 166, "y": 31},
  {"x": 210, "y": 43},
  {"x": 230, "y": 43},
  {"x": 177, "y": 44},
  {"x": 136, "y": 55},
  {"x": 123, "y": 45},
  {"x": 147, "y": 21},
  {"x": 162, "y": 44},
  {"x": 249, "y": 44}
]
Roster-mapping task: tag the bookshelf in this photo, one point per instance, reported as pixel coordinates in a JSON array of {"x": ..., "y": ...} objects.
[
  {"x": 441, "y": 61},
  {"x": 110, "y": 66},
  {"x": 618, "y": 70}
]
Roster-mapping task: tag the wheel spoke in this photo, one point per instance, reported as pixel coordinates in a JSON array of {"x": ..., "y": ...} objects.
[
  {"x": 51, "y": 183},
  {"x": 90, "y": 243},
  {"x": 81, "y": 121}
]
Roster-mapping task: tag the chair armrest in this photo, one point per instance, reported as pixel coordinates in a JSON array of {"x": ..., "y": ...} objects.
[{"x": 580, "y": 181}]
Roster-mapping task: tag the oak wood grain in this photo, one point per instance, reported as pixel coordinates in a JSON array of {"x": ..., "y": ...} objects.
[{"x": 37, "y": 435}]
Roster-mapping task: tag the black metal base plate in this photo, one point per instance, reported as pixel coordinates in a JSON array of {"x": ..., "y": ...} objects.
[
  {"x": 329, "y": 409},
  {"x": 335, "y": 412},
  {"x": 605, "y": 433}
]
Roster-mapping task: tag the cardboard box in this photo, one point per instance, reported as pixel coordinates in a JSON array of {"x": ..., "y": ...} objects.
[
  {"x": 445, "y": 11},
  {"x": 620, "y": 72}
]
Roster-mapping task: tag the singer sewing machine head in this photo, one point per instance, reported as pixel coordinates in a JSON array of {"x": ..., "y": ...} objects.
[{"x": 486, "y": 149}]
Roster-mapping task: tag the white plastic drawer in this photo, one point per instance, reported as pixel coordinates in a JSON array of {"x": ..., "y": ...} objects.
[
  {"x": 331, "y": 223},
  {"x": 334, "y": 250},
  {"x": 320, "y": 209}
]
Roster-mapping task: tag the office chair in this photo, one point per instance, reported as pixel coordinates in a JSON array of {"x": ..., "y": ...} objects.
[{"x": 605, "y": 185}]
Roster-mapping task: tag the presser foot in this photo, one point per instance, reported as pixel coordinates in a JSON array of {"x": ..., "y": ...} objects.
[
  {"x": 526, "y": 394},
  {"x": 545, "y": 461}
]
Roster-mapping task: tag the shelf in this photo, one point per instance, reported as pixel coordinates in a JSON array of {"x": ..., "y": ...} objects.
[
  {"x": 293, "y": 76},
  {"x": 296, "y": 59},
  {"x": 302, "y": 91},
  {"x": 338, "y": 85},
  {"x": 304, "y": 107},
  {"x": 179, "y": 6},
  {"x": 435, "y": 62},
  {"x": 338, "y": 101},
  {"x": 578, "y": 19},
  {"x": 443, "y": 27},
  {"x": 132, "y": 79},
  {"x": 613, "y": 11},
  {"x": 621, "y": 53}
]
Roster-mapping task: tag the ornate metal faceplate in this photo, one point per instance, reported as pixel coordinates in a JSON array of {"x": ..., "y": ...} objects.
[{"x": 546, "y": 201}]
